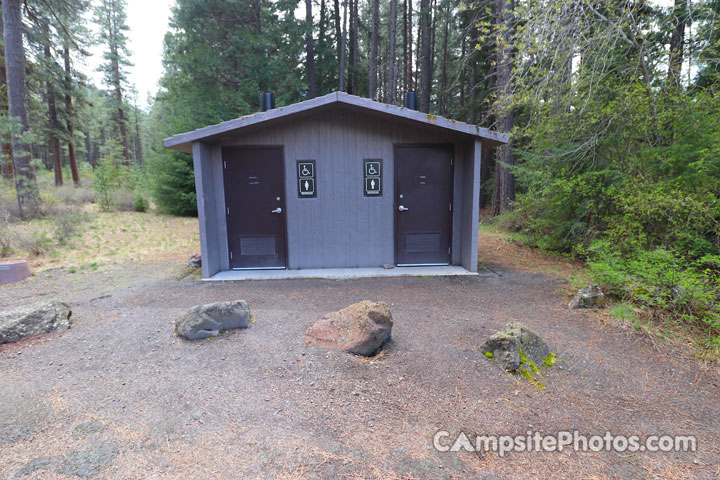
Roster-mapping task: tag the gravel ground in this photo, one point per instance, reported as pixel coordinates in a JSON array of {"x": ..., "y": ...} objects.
[{"x": 119, "y": 396}]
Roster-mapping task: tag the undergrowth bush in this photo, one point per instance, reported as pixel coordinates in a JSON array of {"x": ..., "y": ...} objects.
[
  {"x": 72, "y": 195},
  {"x": 123, "y": 200},
  {"x": 66, "y": 223},
  {"x": 35, "y": 240},
  {"x": 640, "y": 203},
  {"x": 140, "y": 204},
  {"x": 5, "y": 235},
  {"x": 173, "y": 183},
  {"x": 663, "y": 280}
]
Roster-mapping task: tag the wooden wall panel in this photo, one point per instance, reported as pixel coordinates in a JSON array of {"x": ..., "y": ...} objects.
[{"x": 342, "y": 227}]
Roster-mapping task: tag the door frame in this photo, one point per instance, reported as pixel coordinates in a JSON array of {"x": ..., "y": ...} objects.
[
  {"x": 451, "y": 148},
  {"x": 283, "y": 201}
]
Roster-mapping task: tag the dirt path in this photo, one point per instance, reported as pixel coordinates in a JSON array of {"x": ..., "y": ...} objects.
[{"x": 120, "y": 397}]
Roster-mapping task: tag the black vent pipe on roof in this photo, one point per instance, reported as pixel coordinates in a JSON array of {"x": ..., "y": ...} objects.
[
  {"x": 411, "y": 100},
  {"x": 268, "y": 101}
]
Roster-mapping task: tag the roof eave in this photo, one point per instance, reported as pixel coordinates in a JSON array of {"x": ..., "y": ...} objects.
[{"x": 183, "y": 142}]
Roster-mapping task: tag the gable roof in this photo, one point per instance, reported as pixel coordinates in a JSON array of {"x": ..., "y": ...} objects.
[{"x": 183, "y": 141}]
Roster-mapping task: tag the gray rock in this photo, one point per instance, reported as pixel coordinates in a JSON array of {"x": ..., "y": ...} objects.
[
  {"x": 203, "y": 321},
  {"x": 86, "y": 463},
  {"x": 87, "y": 427},
  {"x": 195, "y": 260},
  {"x": 588, "y": 297},
  {"x": 361, "y": 328},
  {"x": 33, "y": 320},
  {"x": 41, "y": 463},
  {"x": 506, "y": 345}
]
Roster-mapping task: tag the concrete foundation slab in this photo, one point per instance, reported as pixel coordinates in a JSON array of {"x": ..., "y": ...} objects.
[{"x": 343, "y": 273}]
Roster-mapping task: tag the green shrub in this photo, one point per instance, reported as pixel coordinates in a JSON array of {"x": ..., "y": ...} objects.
[
  {"x": 5, "y": 237},
  {"x": 173, "y": 184},
  {"x": 111, "y": 175},
  {"x": 663, "y": 280},
  {"x": 66, "y": 223},
  {"x": 140, "y": 204},
  {"x": 34, "y": 240},
  {"x": 104, "y": 184},
  {"x": 123, "y": 200}
]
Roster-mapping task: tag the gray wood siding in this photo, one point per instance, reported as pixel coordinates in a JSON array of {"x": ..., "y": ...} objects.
[
  {"x": 207, "y": 208},
  {"x": 470, "y": 207},
  {"x": 342, "y": 227}
]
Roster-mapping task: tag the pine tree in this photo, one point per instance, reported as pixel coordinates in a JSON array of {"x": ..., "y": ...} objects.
[
  {"x": 391, "y": 65},
  {"x": 310, "y": 50},
  {"x": 111, "y": 19},
  {"x": 6, "y": 161},
  {"x": 425, "y": 54},
  {"x": 26, "y": 187},
  {"x": 373, "y": 60},
  {"x": 504, "y": 191}
]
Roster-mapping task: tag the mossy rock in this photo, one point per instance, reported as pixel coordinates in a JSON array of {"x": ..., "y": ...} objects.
[{"x": 515, "y": 345}]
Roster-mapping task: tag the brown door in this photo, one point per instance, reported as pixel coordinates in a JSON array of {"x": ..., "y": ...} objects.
[
  {"x": 255, "y": 207},
  {"x": 423, "y": 205}
]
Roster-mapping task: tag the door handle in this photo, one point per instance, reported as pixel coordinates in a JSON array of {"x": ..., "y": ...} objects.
[
  {"x": 277, "y": 210},
  {"x": 403, "y": 208}
]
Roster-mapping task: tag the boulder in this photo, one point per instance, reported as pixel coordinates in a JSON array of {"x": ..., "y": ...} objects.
[
  {"x": 506, "y": 345},
  {"x": 588, "y": 297},
  {"x": 361, "y": 328},
  {"x": 203, "y": 321},
  {"x": 195, "y": 260},
  {"x": 35, "y": 319}
]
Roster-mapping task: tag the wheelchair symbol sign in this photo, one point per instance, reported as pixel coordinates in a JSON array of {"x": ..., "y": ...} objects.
[
  {"x": 305, "y": 170},
  {"x": 372, "y": 169}
]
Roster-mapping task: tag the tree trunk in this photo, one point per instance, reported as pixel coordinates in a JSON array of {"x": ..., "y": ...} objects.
[
  {"x": 310, "y": 50},
  {"x": 410, "y": 85},
  {"x": 138, "y": 142},
  {"x": 351, "y": 46},
  {"x": 343, "y": 47},
  {"x": 442, "y": 108},
  {"x": 355, "y": 47},
  {"x": 485, "y": 168},
  {"x": 117, "y": 83},
  {"x": 391, "y": 68},
  {"x": 372, "y": 67},
  {"x": 88, "y": 150},
  {"x": 52, "y": 111},
  {"x": 72, "y": 159},
  {"x": 474, "y": 73},
  {"x": 425, "y": 55},
  {"x": 433, "y": 13},
  {"x": 504, "y": 192},
  {"x": 256, "y": 8},
  {"x": 677, "y": 41},
  {"x": 26, "y": 187},
  {"x": 462, "y": 80},
  {"x": 6, "y": 163},
  {"x": 338, "y": 33},
  {"x": 403, "y": 77}
]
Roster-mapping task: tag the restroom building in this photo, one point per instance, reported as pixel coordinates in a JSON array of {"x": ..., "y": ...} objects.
[{"x": 338, "y": 181}]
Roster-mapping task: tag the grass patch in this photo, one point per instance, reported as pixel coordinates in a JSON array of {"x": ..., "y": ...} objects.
[
  {"x": 623, "y": 312},
  {"x": 102, "y": 238}
]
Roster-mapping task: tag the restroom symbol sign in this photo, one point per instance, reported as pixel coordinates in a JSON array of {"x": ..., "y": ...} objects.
[
  {"x": 306, "y": 179},
  {"x": 372, "y": 168},
  {"x": 307, "y": 187},
  {"x": 306, "y": 170},
  {"x": 372, "y": 186},
  {"x": 373, "y": 178}
]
